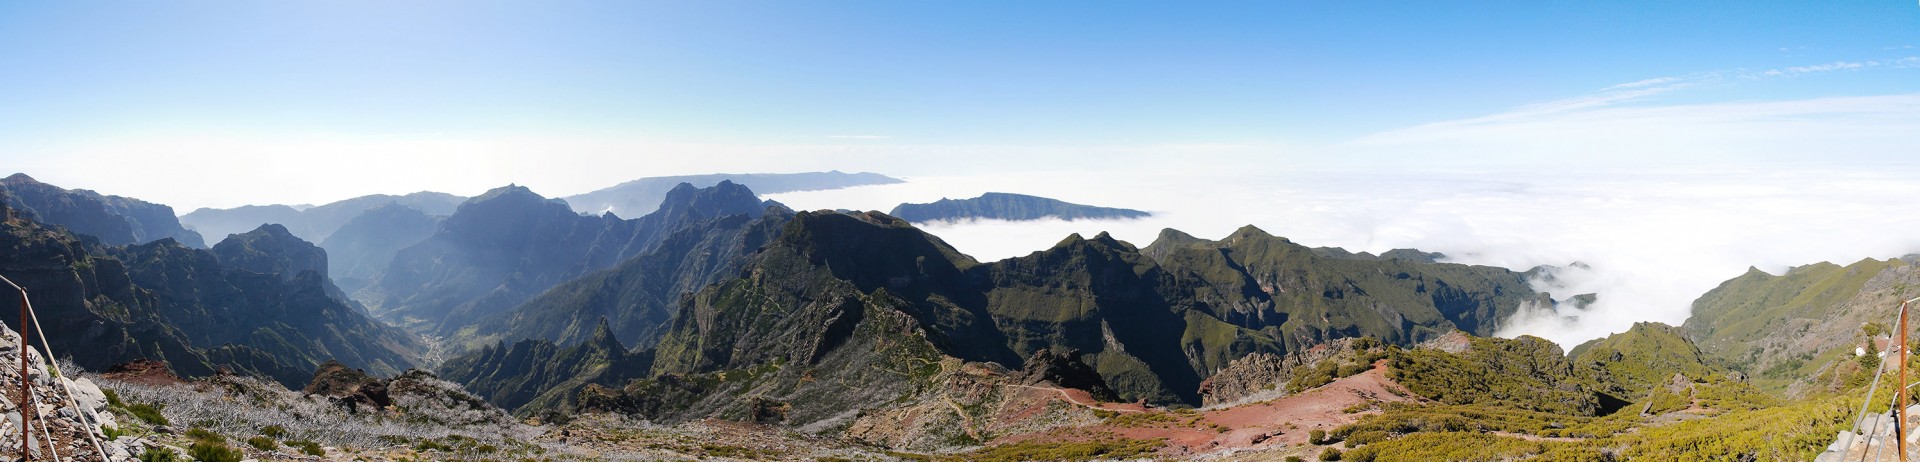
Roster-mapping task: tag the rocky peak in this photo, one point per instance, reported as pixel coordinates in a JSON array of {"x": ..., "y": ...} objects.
[
  {"x": 604, "y": 339},
  {"x": 271, "y": 249}
]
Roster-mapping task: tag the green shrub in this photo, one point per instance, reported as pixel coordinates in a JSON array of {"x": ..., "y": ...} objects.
[
  {"x": 1365, "y": 437},
  {"x": 1295, "y": 459},
  {"x": 206, "y": 451},
  {"x": 1066, "y": 450},
  {"x": 430, "y": 445},
  {"x": 202, "y": 435},
  {"x": 113, "y": 399},
  {"x": 148, "y": 413},
  {"x": 309, "y": 448},
  {"x": 160, "y": 454},
  {"x": 274, "y": 431},
  {"x": 1330, "y": 454},
  {"x": 112, "y": 433},
  {"x": 262, "y": 443}
]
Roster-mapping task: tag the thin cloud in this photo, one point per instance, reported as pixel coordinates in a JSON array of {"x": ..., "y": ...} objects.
[
  {"x": 1819, "y": 68},
  {"x": 858, "y": 137}
]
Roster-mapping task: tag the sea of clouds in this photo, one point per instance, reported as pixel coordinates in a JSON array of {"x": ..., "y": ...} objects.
[{"x": 1655, "y": 239}]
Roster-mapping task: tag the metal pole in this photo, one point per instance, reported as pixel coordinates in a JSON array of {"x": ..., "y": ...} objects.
[
  {"x": 26, "y": 384},
  {"x": 1900, "y": 402}
]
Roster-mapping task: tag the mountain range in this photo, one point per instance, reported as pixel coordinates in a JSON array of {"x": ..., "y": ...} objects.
[
  {"x": 642, "y": 196},
  {"x": 114, "y": 220},
  {"x": 1006, "y": 206},
  {"x": 859, "y": 328}
]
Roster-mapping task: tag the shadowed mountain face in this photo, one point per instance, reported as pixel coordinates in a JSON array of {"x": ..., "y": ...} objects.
[
  {"x": 360, "y": 249},
  {"x": 198, "y": 309},
  {"x": 313, "y": 224},
  {"x": 643, "y": 196},
  {"x": 637, "y": 298},
  {"x": 870, "y": 292},
  {"x": 1004, "y": 206},
  {"x": 508, "y": 245},
  {"x": 114, "y": 220}
]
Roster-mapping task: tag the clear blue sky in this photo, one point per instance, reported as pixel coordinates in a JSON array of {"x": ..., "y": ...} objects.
[{"x": 76, "y": 76}]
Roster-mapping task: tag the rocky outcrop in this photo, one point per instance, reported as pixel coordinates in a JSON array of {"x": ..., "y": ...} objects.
[
  {"x": 1065, "y": 369},
  {"x": 1264, "y": 375},
  {"x": 350, "y": 387}
]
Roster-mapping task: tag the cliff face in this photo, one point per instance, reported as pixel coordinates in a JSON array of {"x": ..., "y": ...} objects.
[
  {"x": 508, "y": 245},
  {"x": 362, "y": 247},
  {"x": 164, "y": 300}
]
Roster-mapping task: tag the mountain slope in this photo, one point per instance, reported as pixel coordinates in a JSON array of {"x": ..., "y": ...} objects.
[
  {"x": 508, "y": 245},
  {"x": 364, "y": 246},
  {"x": 1005, "y": 206},
  {"x": 1782, "y": 330},
  {"x": 115, "y": 220},
  {"x": 249, "y": 295},
  {"x": 639, "y": 296},
  {"x": 1645, "y": 356}
]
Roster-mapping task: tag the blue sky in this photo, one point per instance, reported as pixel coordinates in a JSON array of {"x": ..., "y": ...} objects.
[{"x": 907, "y": 87}]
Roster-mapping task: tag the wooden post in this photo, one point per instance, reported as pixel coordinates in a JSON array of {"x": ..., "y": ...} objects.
[{"x": 1900, "y": 402}]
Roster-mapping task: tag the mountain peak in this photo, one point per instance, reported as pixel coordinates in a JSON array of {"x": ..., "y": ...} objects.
[
  {"x": 1247, "y": 232},
  {"x": 274, "y": 230},
  {"x": 509, "y": 191},
  {"x": 603, "y": 337},
  {"x": 271, "y": 249},
  {"x": 20, "y": 178},
  {"x": 722, "y": 199}
]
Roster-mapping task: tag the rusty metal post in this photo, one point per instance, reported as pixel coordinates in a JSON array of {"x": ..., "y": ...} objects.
[
  {"x": 1900, "y": 400},
  {"x": 26, "y": 390}
]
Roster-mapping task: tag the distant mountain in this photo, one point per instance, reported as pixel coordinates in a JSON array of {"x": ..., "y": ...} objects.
[
  {"x": 837, "y": 302},
  {"x": 642, "y": 196},
  {"x": 237, "y": 308},
  {"x": 1786, "y": 332},
  {"x": 506, "y": 246},
  {"x": 1004, "y": 206},
  {"x": 114, "y": 220},
  {"x": 364, "y": 246},
  {"x": 314, "y": 224}
]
